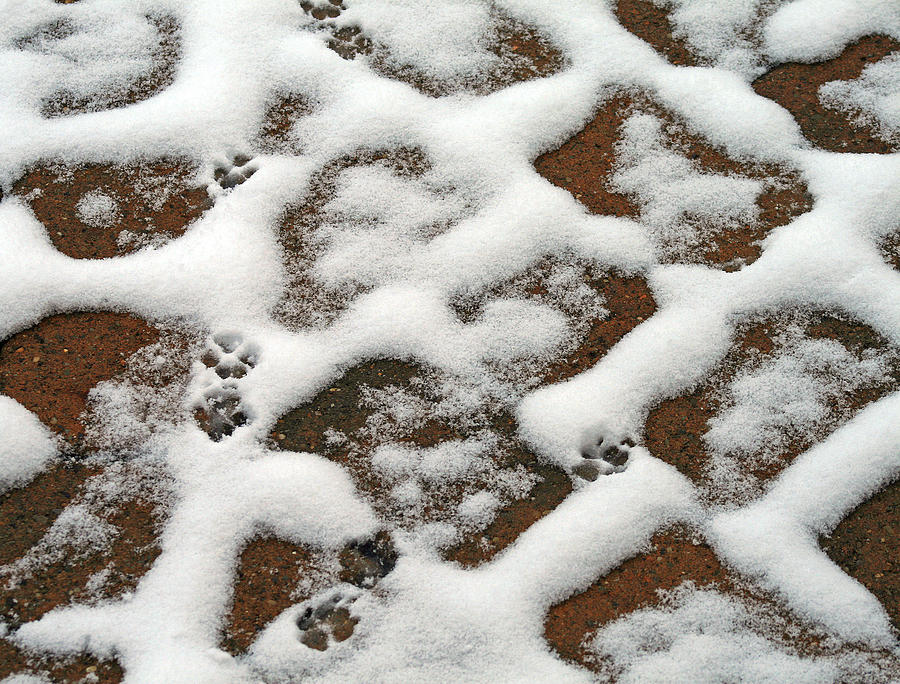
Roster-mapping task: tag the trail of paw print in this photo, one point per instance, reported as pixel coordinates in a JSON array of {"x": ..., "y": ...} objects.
[
  {"x": 606, "y": 456},
  {"x": 323, "y": 10},
  {"x": 347, "y": 41},
  {"x": 328, "y": 617},
  {"x": 223, "y": 411},
  {"x": 235, "y": 172}
]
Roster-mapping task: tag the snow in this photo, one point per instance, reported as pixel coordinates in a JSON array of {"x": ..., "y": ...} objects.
[
  {"x": 26, "y": 446},
  {"x": 682, "y": 206},
  {"x": 773, "y": 538},
  {"x": 703, "y": 635},
  {"x": 415, "y": 32},
  {"x": 398, "y": 251},
  {"x": 721, "y": 32},
  {"x": 479, "y": 507},
  {"x": 790, "y": 395},
  {"x": 808, "y": 30},
  {"x": 97, "y": 209},
  {"x": 875, "y": 95}
]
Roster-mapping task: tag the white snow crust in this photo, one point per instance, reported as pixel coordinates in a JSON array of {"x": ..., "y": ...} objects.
[{"x": 396, "y": 253}]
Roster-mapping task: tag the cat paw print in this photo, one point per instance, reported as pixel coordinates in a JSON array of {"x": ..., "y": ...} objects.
[
  {"x": 223, "y": 410},
  {"x": 235, "y": 172},
  {"x": 323, "y": 10},
  {"x": 605, "y": 456},
  {"x": 364, "y": 563},
  {"x": 347, "y": 41},
  {"x": 328, "y": 618}
]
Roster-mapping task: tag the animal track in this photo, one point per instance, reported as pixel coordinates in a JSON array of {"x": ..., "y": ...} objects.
[
  {"x": 605, "y": 456},
  {"x": 231, "y": 359},
  {"x": 327, "y": 617},
  {"x": 323, "y": 10},
  {"x": 236, "y": 172},
  {"x": 347, "y": 41},
  {"x": 522, "y": 54},
  {"x": 363, "y": 564}
]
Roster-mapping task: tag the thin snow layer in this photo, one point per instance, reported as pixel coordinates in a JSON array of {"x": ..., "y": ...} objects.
[
  {"x": 26, "y": 446},
  {"x": 703, "y": 635},
  {"x": 789, "y": 396},
  {"x": 682, "y": 206},
  {"x": 82, "y": 53},
  {"x": 874, "y": 97},
  {"x": 449, "y": 461},
  {"x": 397, "y": 250},
  {"x": 98, "y": 209},
  {"x": 720, "y": 31},
  {"x": 415, "y": 31}
]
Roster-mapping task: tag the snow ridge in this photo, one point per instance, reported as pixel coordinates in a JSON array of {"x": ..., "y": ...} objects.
[{"x": 479, "y": 216}]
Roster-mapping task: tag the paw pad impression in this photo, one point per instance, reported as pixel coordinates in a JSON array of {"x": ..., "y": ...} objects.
[
  {"x": 236, "y": 172},
  {"x": 365, "y": 562},
  {"x": 605, "y": 456},
  {"x": 222, "y": 411},
  {"x": 327, "y": 618}
]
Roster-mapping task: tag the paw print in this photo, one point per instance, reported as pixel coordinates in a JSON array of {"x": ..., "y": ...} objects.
[
  {"x": 347, "y": 41},
  {"x": 234, "y": 173},
  {"x": 363, "y": 563},
  {"x": 222, "y": 410},
  {"x": 326, "y": 618},
  {"x": 605, "y": 456},
  {"x": 323, "y": 10}
]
